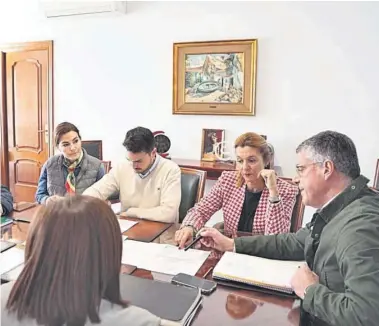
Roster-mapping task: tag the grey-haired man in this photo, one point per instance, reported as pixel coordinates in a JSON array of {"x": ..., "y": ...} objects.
[{"x": 339, "y": 285}]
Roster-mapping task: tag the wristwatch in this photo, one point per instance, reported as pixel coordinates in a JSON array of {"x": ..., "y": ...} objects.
[{"x": 274, "y": 200}]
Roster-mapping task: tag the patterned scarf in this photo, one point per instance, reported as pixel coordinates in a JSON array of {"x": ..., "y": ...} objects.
[{"x": 70, "y": 180}]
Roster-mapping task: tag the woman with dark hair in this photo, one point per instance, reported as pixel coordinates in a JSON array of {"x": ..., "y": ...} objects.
[
  {"x": 72, "y": 171},
  {"x": 71, "y": 273},
  {"x": 252, "y": 198}
]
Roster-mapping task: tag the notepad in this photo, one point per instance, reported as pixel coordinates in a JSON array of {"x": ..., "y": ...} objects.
[
  {"x": 162, "y": 258},
  {"x": 262, "y": 272}
]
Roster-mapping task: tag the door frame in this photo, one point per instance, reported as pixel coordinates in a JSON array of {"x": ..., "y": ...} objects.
[{"x": 19, "y": 47}]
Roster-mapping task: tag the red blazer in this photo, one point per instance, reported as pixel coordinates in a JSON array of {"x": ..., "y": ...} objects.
[{"x": 269, "y": 218}]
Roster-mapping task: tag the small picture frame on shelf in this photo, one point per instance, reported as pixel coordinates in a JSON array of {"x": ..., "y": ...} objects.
[{"x": 212, "y": 144}]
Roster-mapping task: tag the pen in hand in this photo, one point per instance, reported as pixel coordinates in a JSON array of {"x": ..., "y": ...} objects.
[{"x": 198, "y": 237}]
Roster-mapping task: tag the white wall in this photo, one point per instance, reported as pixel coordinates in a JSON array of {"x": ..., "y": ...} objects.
[{"x": 317, "y": 69}]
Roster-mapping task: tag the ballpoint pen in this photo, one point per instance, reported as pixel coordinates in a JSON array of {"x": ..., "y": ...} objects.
[{"x": 193, "y": 242}]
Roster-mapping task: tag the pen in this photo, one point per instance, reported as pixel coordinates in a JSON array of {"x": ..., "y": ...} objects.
[
  {"x": 208, "y": 272},
  {"x": 22, "y": 220},
  {"x": 193, "y": 242}
]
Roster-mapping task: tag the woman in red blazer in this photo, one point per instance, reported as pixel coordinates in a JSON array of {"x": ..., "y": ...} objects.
[{"x": 252, "y": 198}]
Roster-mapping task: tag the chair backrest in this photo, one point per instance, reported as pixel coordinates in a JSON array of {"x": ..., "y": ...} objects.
[
  {"x": 298, "y": 210},
  {"x": 93, "y": 148},
  {"x": 106, "y": 165},
  {"x": 192, "y": 185}
]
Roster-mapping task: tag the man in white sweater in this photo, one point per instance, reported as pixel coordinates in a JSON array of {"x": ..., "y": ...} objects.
[{"x": 148, "y": 184}]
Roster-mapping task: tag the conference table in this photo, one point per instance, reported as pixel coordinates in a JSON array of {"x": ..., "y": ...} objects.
[
  {"x": 144, "y": 230},
  {"x": 225, "y": 306}
]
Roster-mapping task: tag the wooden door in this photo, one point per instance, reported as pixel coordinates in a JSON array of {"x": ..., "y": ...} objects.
[{"x": 27, "y": 74}]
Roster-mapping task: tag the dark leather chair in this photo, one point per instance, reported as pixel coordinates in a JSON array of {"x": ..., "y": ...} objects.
[
  {"x": 94, "y": 148},
  {"x": 192, "y": 185}
]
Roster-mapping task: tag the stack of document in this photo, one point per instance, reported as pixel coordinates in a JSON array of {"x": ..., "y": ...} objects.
[{"x": 163, "y": 258}]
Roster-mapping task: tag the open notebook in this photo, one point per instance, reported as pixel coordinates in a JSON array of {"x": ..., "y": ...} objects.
[{"x": 261, "y": 272}]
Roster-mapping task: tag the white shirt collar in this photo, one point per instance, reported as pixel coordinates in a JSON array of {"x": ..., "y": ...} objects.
[
  {"x": 329, "y": 201},
  {"x": 152, "y": 168}
]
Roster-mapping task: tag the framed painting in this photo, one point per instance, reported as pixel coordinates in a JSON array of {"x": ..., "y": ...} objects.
[
  {"x": 376, "y": 178},
  {"x": 212, "y": 142},
  {"x": 215, "y": 78}
]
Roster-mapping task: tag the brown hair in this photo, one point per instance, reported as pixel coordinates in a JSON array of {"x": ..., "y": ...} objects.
[
  {"x": 64, "y": 128},
  {"x": 253, "y": 140},
  {"x": 72, "y": 261}
]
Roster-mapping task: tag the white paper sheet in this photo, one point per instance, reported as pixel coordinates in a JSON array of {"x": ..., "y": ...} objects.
[
  {"x": 10, "y": 259},
  {"x": 163, "y": 258},
  {"x": 126, "y": 225},
  {"x": 116, "y": 208},
  {"x": 13, "y": 274}
]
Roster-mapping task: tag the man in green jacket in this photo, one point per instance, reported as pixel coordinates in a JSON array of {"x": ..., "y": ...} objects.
[{"x": 339, "y": 284}]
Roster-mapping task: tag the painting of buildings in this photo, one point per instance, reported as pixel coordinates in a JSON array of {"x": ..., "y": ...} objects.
[{"x": 214, "y": 78}]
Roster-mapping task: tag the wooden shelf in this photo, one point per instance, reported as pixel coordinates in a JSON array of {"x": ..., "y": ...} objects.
[{"x": 213, "y": 169}]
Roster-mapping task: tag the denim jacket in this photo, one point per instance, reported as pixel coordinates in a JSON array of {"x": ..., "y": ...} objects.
[{"x": 6, "y": 201}]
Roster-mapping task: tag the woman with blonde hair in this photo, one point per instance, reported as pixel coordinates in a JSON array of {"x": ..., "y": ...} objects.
[
  {"x": 252, "y": 198},
  {"x": 72, "y": 268}
]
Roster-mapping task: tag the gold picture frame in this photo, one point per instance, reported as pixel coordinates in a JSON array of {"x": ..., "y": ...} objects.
[
  {"x": 215, "y": 77},
  {"x": 212, "y": 142}
]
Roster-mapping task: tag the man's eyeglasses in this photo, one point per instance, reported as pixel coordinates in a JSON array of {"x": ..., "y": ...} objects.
[{"x": 301, "y": 168}]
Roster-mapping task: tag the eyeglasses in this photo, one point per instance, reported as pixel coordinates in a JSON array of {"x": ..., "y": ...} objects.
[{"x": 301, "y": 168}]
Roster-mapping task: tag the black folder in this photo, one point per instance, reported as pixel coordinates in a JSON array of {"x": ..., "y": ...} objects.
[{"x": 175, "y": 305}]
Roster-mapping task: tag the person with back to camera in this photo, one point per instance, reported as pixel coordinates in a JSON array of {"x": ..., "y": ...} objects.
[{"x": 72, "y": 269}]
